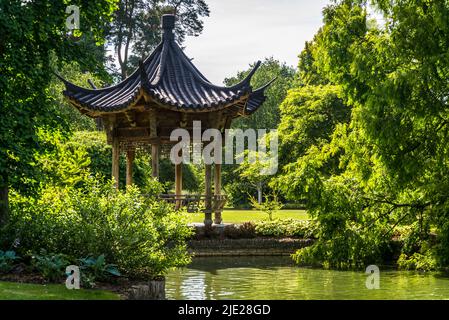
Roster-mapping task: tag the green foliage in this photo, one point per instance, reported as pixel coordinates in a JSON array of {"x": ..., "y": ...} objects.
[
  {"x": 268, "y": 116},
  {"x": 286, "y": 228},
  {"x": 7, "y": 260},
  {"x": 310, "y": 115},
  {"x": 363, "y": 137},
  {"x": 143, "y": 236},
  {"x": 269, "y": 206},
  {"x": 418, "y": 261},
  {"x": 70, "y": 160},
  {"x": 96, "y": 269},
  {"x": 33, "y": 34},
  {"x": 50, "y": 266},
  {"x": 61, "y": 108},
  {"x": 192, "y": 176},
  {"x": 136, "y": 29},
  {"x": 236, "y": 190}
]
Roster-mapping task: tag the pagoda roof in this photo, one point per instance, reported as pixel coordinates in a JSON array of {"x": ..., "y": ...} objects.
[{"x": 169, "y": 78}]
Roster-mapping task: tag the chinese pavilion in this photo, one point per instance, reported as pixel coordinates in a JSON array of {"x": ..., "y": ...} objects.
[{"x": 166, "y": 92}]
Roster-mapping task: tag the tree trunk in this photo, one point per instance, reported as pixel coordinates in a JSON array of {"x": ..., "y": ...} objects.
[
  {"x": 4, "y": 204},
  {"x": 259, "y": 193}
]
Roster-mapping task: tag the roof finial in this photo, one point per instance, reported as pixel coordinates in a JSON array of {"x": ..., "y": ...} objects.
[{"x": 168, "y": 24}]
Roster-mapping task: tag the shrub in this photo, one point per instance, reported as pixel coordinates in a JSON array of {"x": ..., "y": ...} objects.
[
  {"x": 50, "y": 266},
  {"x": 96, "y": 270},
  {"x": 268, "y": 206},
  {"x": 7, "y": 261},
  {"x": 418, "y": 261},
  {"x": 143, "y": 236},
  {"x": 350, "y": 250},
  {"x": 286, "y": 228},
  {"x": 83, "y": 154}
]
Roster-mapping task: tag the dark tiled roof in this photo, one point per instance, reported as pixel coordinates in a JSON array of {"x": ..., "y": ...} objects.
[
  {"x": 256, "y": 99},
  {"x": 171, "y": 79}
]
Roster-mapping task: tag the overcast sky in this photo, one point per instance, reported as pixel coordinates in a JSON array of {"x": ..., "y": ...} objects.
[{"x": 239, "y": 32}]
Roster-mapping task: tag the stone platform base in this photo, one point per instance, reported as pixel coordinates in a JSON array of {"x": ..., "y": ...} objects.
[{"x": 247, "y": 247}]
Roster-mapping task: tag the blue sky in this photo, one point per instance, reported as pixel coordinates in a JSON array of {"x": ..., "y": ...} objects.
[{"x": 239, "y": 32}]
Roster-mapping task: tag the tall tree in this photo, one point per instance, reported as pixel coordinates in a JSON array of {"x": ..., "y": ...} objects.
[
  {"x": 392, "y": 154},
  {"x": 135, "y": 31},
  {"x": 32, "y": 34},
  {"x": 268, "y": 116}
]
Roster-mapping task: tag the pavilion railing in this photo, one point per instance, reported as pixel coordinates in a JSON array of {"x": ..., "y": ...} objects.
[{"x": 195, "y": 203}]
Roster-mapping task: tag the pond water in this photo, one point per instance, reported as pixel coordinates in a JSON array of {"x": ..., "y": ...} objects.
[{"x": 276, "y": 278}]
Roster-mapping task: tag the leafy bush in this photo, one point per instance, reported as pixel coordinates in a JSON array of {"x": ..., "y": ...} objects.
[
  {"x": 268, "y": 206},
  {"x": 71, "y": 160},
  {"x": 285, "y": 228},
  {"x": 236, "y": 191},
  {"x": 352, "y": 249},
  {"x": 85, "y": 153},
  {"x": 96, "y": 269},
  {"x": 50, "y": 266},
  {"x": 273, "y": 228},
  {"x": 418, "y": 261},
  {"x": 143, "y": 236},
  {"x": 7, "y": 261}
]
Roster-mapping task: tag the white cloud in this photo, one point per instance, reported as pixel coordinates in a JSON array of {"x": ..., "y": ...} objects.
[{"x": 240, "y": 32}]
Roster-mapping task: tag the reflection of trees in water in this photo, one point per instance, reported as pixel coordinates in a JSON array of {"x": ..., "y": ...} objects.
[
  {"x": 235, "y": 278},
  {"x": 213, "y": 264}
]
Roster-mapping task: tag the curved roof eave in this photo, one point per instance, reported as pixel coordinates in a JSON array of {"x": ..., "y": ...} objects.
[{"x": 256, "y": 99}]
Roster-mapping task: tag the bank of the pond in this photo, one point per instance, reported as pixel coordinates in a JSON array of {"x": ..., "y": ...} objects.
[
  {"x": 247, "y": 247},
  {"x": 277, "y": 278}
]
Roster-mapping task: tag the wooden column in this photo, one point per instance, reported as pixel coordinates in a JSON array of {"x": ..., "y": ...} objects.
[
  {"x": 155, "y": 160},
  {"x": 130, "y": 155},
  {"x": 217, "y": 192},
  {"x": 115, "y": 160},
  {"x": 178, "y": 184},
  {"x": 208, "y": 201}
]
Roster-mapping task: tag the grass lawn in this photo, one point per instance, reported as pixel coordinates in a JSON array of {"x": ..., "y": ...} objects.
[
  {"x": 240, "y": 216},
  {"x": 26, "y": 291}
]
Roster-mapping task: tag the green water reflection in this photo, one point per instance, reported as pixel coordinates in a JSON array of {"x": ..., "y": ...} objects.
[{"x": 275, "y": 278}]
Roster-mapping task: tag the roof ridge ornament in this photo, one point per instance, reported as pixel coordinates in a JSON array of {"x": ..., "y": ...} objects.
[{"x": 168, "y": 24}]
